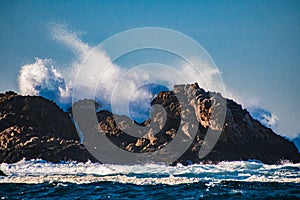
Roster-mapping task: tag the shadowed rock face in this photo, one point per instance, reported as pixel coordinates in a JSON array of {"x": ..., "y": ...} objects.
[
  {"x": 244, "y": 137},
  {"x": 241, "y": 137},
  {"x": 2, "y": 173},
  {"x": 33, "y": 127}
]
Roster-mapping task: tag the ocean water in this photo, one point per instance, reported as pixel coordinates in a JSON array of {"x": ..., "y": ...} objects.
[{"x": 38, "y": 179}]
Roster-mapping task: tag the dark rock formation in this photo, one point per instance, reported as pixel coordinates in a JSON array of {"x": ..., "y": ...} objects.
[
  {"x": 297, "y": 142},
  {"x": 242, "y": 137},
  {"x": 2, "y": 173},
  {"x": 33, "y": 127}
]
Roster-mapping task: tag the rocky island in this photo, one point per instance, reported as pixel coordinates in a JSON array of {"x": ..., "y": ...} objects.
[{"x": 33, "y": 127}]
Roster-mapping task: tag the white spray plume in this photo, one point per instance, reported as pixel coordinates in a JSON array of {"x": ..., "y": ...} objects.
[
  {"x": 42, "y": 79},
  {"x": 70, "y": 39}
]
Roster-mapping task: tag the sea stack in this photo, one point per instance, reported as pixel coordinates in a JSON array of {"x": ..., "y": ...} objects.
[{"x": 33, "y": 127}]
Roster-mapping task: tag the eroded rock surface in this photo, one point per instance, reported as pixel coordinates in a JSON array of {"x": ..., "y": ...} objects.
[{"x": 33, "y": 127}]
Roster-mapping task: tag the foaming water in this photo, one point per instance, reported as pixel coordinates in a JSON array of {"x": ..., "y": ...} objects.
[
  {"x": 39, "y": 171},
  {"x": 247, "y": 179}
]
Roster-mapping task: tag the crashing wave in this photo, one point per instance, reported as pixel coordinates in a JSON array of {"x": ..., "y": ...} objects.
[{"x": 39, "y": 171}]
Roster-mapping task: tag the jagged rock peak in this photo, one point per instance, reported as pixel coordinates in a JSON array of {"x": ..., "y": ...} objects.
[{"x": 33, "y": 127}]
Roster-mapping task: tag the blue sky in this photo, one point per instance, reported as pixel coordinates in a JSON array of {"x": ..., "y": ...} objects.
[{"x": 255, "y": 44}]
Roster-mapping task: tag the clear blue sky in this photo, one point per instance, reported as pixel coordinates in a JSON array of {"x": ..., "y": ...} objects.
[{"x": 256, "y": 44}]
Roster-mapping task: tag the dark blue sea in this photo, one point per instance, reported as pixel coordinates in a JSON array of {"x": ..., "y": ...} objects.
[{"x": 37, "y": 179}]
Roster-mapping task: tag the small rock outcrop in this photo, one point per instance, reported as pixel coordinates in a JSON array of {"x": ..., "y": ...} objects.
[{"x": 2, "y": 173}]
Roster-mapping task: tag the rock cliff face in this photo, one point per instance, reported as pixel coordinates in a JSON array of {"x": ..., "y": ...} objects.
[
  {"x": 241, "y": 138},
  {"x": 33, "y": 127}
]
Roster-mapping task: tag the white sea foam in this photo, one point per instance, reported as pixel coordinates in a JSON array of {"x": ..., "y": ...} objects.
[{"x": 39, "y": 171}]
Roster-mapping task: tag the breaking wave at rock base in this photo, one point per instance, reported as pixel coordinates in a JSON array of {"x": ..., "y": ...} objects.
[{"x": 249, "y": 179}]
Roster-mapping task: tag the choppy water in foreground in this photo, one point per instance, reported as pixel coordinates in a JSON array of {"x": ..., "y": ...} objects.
[{"x": 240, "y": 179}]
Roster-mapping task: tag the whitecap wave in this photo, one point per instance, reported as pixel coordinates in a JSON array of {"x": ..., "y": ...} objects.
[{"x": 39, "y": 171}]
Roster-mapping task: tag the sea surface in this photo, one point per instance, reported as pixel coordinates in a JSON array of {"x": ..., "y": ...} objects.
[{"x": 38, "y": 179}]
